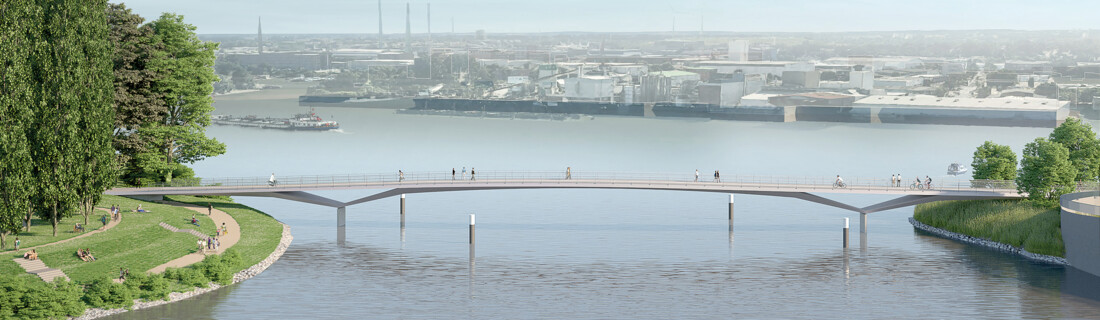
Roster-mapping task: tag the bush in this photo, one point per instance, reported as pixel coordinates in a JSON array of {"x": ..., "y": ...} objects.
[
  {"x": 51, "y": 300},
  {"x": 219, "y": 268},
  {"x": 155, "y": 287},
  {"x": 187, "y": 276},
  {"x": 106, "y": 294},
  {"x": 11, "y": 295}
]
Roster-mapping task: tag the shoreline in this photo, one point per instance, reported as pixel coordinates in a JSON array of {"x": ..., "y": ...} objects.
[
  {"x": 254, "y": 270},
  {"x": 987, "y": 244}
]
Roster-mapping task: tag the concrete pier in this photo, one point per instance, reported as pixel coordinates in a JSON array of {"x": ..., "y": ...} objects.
[
  {"x": 341, "y": 222},
  {"x": 402, "y": 211},
  {"x": 863, "y": 223}
]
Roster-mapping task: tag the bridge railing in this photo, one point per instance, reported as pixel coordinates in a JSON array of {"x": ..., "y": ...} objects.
[{"x": 536, "y": 177}]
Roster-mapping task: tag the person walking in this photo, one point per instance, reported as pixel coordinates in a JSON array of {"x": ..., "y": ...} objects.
[
  {"x": 568, "y": 173},
  {"x": 463, "y": 173},
  {"x": 472, "y": 173},
  {"x": 696, "y": 175},
  {"x": 452, "y": 174},
  {"x": 893, "y": 180},
  {"x": 400, "y": 176},
  {"x": 17, "y": 243},
  {"x": 209, "y": 209},
  {"x": 899, "y": 180}
]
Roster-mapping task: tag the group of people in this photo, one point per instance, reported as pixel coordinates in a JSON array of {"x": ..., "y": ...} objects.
[
  {"x": 123, "y": 273},
  {"x": 221, "y": 231},
  {"x": 212, "y": 243},
  {"x": 116, "y": 213},
  {"x": 717, "y": 176},
  {"x": 454, "y": 173},
  {"x": 78, "y": 228},
  {"x": 85, "y": 254},
  {"x": 31, "y": 255},
  {"x": 895, "y": 181}
]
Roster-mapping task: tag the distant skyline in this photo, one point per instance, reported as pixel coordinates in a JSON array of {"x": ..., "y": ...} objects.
[{"x": 522, "y": 16}]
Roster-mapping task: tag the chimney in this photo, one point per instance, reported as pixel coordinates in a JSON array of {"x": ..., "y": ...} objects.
[
  {"x": 379, "y": 23},
  {"x": 408, "y": 27},
  {"x": 260, "y": 33}
]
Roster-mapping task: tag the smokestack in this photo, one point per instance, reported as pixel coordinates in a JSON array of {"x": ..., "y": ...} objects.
[
  {"x": 379, "y": 22},
  {"x": 408, "y": 27},
  {"x": 429, "y": 42},
  {"x": 260, "y": 33}
]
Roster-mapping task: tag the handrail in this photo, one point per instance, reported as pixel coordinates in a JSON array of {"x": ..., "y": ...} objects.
[{"x": 582, "y": 177}]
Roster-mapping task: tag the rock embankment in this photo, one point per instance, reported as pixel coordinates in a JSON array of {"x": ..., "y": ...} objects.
[
  {"x": 245, "y": 274},
  {"x": 987, "y": 243}
]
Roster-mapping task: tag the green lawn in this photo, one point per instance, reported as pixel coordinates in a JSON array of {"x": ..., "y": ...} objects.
[
  {"x": 42, "y": 232},
  {"x": 260, "y": 233},
  {"x": 139, "y": 243},
  {"x": 1021, "y": 223}
]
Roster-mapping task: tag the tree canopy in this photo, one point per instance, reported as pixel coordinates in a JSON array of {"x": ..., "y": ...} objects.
[
  {"x": 994, "y": 162},
  {"x": 1084, "y": 148},
  {"x": 1045, "y": 171}
]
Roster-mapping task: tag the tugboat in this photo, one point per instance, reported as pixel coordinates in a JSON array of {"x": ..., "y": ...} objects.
[
  {"x": 303, "y": 121},
  {"x": 956, "y": 169}
]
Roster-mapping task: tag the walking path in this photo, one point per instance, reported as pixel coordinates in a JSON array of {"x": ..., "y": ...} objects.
[
  {"x": 227, "y": 240},
  {"x": 39, "y": 268}
]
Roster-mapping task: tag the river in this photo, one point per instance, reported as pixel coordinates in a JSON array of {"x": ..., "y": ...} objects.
[{"x": 615, "y": 253}]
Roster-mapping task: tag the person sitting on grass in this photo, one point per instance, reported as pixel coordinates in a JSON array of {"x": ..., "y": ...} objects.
[
  {"x": 194, "y": 221},
  {"x": 85, "y": 254},
  {"x": 31, "y": 255}
]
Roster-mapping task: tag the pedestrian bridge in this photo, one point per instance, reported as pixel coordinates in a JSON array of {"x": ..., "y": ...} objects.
[{"x": 298, "y": 188}]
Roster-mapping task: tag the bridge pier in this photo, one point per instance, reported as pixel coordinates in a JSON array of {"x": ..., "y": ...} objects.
[
  {"x": 731, "y": 212},
  {"x": 341, "y": 219},
  {"x": 863, "y": 223},
  {"x": 402, "y": 211}
]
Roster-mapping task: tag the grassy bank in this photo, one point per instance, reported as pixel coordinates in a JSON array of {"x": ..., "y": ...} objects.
[
  {"x": 1021, "y": 223},
  {"x": 137, "y": 243}
]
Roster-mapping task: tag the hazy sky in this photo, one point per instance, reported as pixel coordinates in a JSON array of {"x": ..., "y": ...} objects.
[{"x": 501, "y": 16}]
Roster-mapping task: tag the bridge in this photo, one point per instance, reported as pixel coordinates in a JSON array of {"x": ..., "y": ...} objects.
[{"x": 298, "y": 188}]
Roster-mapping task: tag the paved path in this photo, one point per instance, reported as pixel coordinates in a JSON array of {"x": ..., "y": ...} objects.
[
  {"x": 227, "y": 240},
  {"x": 37, "y": 267}
]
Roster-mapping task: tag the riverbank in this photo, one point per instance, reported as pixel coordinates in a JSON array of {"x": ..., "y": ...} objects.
[
  {"x": 1016, "y": 226},
  {"x": 243, "y": 275}
]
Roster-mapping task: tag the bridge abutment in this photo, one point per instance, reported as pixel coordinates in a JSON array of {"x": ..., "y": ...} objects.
[{"x": 341, "y": 222}]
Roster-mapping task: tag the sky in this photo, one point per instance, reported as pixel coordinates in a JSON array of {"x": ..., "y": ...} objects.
[{"x": 523, "y": 16}]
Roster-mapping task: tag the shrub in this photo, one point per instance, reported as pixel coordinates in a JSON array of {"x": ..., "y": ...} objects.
[
  {"x": 219, "y": 268},
  {"x": 187, "y": 276},
  {"x": 155, "y": 287},
  {"x": 51, "y": 300},
  {"x": 104, "y": 293}
]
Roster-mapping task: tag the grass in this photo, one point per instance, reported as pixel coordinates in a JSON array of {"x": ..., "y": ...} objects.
[
  {"x": 41, "y": 231},
  {"x": 1033, "y": 226},
  {"x": 139, "y": 243},
  {"x": 260, "y": 233}
]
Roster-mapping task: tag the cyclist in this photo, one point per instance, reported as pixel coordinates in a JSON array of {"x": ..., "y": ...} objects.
[
  {"x": 928, "y": 183},
  {"x": 839, "y": 181},
  {"x": 272, "y": 181}
]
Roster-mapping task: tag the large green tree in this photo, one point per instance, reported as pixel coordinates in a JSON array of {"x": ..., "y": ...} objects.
[
  {"x": 994, "y": 162},
  {"x": 136, "y": 104},
  {"x": 17, "y": 100},
  {"x": 185, "y": 67},
  {"x": 72, "y": 67},
  {"x": 1045, "y": 171},
  {"x": 1084, "y": 148}
]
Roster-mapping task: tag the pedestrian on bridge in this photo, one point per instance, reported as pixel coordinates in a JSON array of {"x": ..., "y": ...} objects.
[
  {"x": 717, "y": 176},
  {"x": 472, "y": 173},
  {"x": 568, "y": 173},
  {"x": 400, "y": 176},
  {"x": 696, "y": 175},
  {"x": 463, "y": 173},
  {"x": 893, "y": 180},
  {"x": 452, "y": 174},
  {"x": 899, "y": 180}
]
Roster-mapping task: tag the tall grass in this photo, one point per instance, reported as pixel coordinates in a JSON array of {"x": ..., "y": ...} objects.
[{"x": 1036, "y": 227}]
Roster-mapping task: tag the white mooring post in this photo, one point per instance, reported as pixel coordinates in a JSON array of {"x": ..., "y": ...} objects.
[
  {"x": 402, "y": 210},
  {"x": 731, "y": 212},
  {"x": 471, "y": 230},
  {"x": 845, "y": 233}
]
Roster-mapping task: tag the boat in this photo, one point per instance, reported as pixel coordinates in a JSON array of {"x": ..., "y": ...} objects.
[
  {"x": 302, "y": 121},
  {"x": 956, "y": 169}
]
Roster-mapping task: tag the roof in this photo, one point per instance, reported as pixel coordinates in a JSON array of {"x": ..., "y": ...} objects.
[
  {"x": 746, "y": 63},
  {"x": 675, "y": 73},
  {"x": 1013, "y": 103}
]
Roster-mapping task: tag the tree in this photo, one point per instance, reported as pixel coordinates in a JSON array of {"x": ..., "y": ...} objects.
[
  {"x": 1084, "y": 148},
  {"x": 17, "y": 99},
  {"x": 136, "y": 104},
  {"x": 186, "y": 67},
  {"x": 994, "y": 162},
  {"x": 72, "y": 67},
  {"x": 1045, "y": 171}
]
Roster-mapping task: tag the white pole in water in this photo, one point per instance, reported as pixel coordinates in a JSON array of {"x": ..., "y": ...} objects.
[
  {"x": 471, "y": 230},
  {"x": 402, "y": 210},
  {"x": 731, "y": 212},
  {"x": 845, "y": 233}
]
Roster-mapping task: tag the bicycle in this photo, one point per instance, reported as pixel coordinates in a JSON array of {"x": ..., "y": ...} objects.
[
  {"x": 839, "y": 184},
  {"x": 918, "y": 186}
]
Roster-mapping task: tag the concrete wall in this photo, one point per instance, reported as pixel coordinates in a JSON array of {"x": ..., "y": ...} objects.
[{"x": 1081, "y": 232}]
